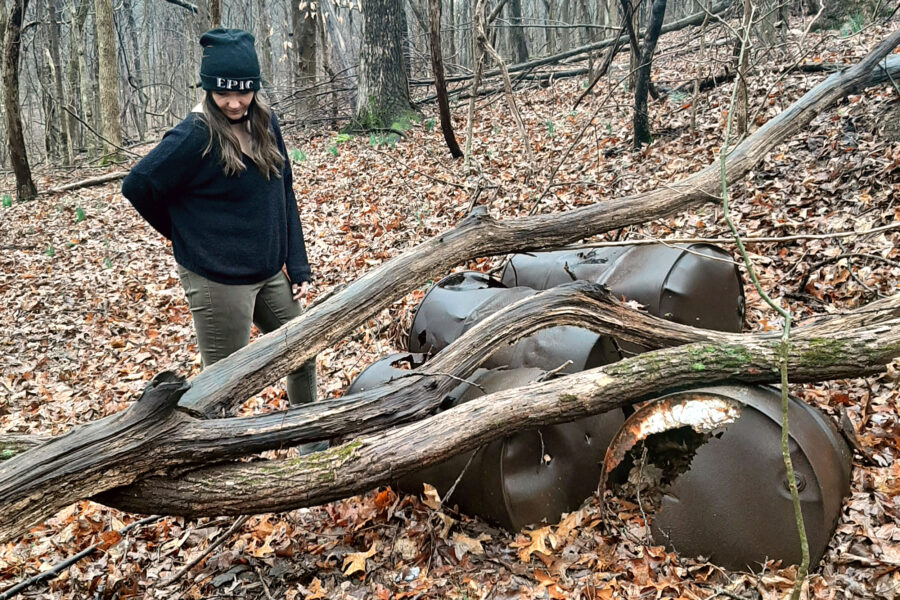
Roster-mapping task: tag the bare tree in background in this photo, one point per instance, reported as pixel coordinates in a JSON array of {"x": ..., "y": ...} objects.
[
  {"x": 382, "y": 95},
  {"x": 642, "y": 80},
  {"x": 12, "y": 38},
  {"x": 437, "y": 65},
  {"x": 110, "y": 125},
  {"x": 303, "y": 27}
]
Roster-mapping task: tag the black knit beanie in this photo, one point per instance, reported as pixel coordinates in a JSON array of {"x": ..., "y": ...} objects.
[{"x": 229, "y": 62}]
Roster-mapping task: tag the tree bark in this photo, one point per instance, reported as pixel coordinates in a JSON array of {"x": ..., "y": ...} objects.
[
  {"x": 642, "y": 80},
  {"x": 303, "y": 24},
  {"x": 59, "y": 142},
  {"x": 264, "y": 39},
  {"x": 136, "y": 76},
  {"x": 215, "y": 13},
  {"x": 162, "y": 437},
  {"x": 12, "y": 38},
  {"x": 437, "y": 66},
  {"x": 75, "y": 71},
  {"x": 517, "y": 34},
  {"x": 382, "y": 95},
  {"x": 377, "y": 459},
  {"x": 110, "y": 126}
]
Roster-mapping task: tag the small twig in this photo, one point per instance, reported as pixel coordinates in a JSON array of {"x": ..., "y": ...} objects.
[
  {"x": 450, "y": 375},
  {"x": 53, "y": 572},
  {"x": 262, "y": 580},
  {"x": 215, "y": 544},
  {"x": 552, "y": 372},
  {"x": 458, "y": 479},
  {"x": 640, "y": 502}
]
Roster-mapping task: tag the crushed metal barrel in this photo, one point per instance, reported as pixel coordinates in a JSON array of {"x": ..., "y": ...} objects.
[
  {"x": 697, "y": 285},
  {"x": 525, "y": 478},
  {"x": 733, "y": 502}
]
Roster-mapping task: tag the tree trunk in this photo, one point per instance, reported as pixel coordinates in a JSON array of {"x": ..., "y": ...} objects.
[
  {"x": 75, "y": 73},
  {"x": 437, "y": 66},
  {"x": 152, "y": 436},
  {"x": 215, "y": 13},
  {"x": 551, "y": 31},
  {"x": 110, "y": 126},
  {"x": 137, "y": 73},
  {"x": 642, "y": 81},
  {"x": 61, "y": 145},
  {"x": 742, "y": 58},
  {"x": 303, "y": 25},
  {"x": 516, "y": 33},
  {"x": 382, "y": 95},
  {"x": 12, "y": 38},
  {"x": 451, "y": 43},
  {"x": 264, "y": 40}
]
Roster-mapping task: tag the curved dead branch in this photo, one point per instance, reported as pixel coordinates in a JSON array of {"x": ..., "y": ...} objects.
[{"x": 371, "y": 460}]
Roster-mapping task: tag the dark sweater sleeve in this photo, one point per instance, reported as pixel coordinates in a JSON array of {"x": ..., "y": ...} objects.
[
  {"x": 297, "y": 264},
  {"x": 152, "y": 183}
]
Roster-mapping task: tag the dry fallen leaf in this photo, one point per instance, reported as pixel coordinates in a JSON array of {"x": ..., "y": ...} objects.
[
  {"x": 537, "y": 544},
  {"x": 355, "y": 562},
  {"x": 431, "y": 499},
  {"x": 463, "y": 544}
]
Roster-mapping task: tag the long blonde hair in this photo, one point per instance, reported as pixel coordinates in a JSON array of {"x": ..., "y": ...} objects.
[{"x": 263, "y": 149}]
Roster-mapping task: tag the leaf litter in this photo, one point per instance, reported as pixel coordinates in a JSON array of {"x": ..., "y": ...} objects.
[{"x": 95, "y": 309}]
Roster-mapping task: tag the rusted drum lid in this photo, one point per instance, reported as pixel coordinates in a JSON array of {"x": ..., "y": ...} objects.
[
  {"x": 733, "y": 504},
  {"x": 458, "y": 302},
  {"x": 528, "y": 477},
  {"x": 385, "y": 370},
  {"x": 695, "y": 285},
  {"x": 544, "y": 270},
  {"x": 395, "y": 366},
  {"x": 453, "y": 305}
]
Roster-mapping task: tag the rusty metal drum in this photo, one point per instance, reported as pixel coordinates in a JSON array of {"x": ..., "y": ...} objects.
[
  {"x": 733, "y": 503},
  {"x": 530, "y": 477},
  {"x": 525, "y": 478},
  {"x": 457, "y": 302},
  {"x": 384, "y": 370},
  {"x": 697, "y": 284}
]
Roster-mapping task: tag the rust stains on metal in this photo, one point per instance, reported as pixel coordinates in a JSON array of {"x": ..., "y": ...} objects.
[
  {"x": 732, "y": 504},
  {"x": 702, "y": 412}
]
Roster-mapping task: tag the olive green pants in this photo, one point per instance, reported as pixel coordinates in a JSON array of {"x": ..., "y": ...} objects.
[{"x": 223, "y": 313}]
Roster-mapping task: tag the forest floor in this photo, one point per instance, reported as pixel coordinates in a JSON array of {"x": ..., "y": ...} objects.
[{"x": 92, "y": 309}]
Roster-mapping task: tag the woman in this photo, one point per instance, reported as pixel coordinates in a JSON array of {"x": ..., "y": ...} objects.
[{"x": 219, "y": 186}]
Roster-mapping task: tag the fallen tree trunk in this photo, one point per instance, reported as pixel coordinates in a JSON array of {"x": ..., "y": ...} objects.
[
  {"x": 368, "y": 461},
  {"x": 232, "y": 379},
  {"x": 601, "y": 313},
  {"x": 152, "y": 436}
]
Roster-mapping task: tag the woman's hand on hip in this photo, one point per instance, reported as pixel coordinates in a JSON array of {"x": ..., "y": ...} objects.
[{"x": 300, "y": 291}]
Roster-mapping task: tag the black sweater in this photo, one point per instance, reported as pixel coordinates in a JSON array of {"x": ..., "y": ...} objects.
[{"x": 237, "y": 229}]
